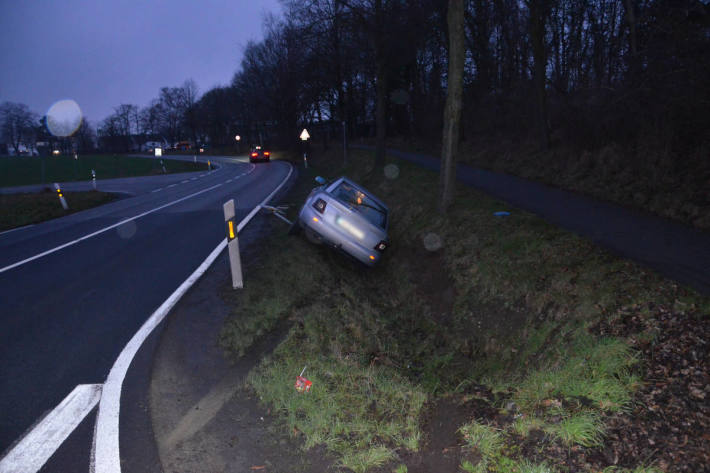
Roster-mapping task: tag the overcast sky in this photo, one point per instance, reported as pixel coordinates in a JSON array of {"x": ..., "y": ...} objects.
[{"x": 103, "y": 53}]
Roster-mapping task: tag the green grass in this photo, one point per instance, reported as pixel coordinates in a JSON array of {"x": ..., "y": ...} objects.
[
  {"x": 17, "y": 210},
  {"x": 585, "y": 429},
  {"x": 23, "y": 170},
  {"x": 361, "y": 414},
  {"x": 524, "y": 295},
  {"x": 483, "y": 438}
]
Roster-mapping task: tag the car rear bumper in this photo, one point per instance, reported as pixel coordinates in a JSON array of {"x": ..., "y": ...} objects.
[{"x": 366, "y": 256}]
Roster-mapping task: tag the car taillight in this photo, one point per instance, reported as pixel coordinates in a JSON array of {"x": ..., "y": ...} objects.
[
  {"x": 254, "y": 155},
  {"x": 319, "y": 205},
  {"x": 266, "y": 153},
  {"x": 381, "y": 246}
]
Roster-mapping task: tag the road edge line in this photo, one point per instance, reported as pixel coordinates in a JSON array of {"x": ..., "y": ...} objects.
[
  {"x": 106, "y": 456},
  {"x": 32, "y": 452}
]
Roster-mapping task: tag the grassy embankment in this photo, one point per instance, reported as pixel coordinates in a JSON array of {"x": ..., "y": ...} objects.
[
  {"x": 17, "y": 210},
  {"x": 24, "y": 170},
  {"x": 461, "y": 305}
]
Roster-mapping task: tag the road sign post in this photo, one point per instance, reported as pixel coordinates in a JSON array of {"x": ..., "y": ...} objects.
[
  {"x": 61, "y": 197},
  {"x": 235, "y": 262},
  {"x": 304, "y": 138},
  {"x": 93, "y": 178}
]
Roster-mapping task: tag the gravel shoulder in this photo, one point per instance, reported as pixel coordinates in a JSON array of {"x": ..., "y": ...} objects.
[{"x": 204, "y": 418}]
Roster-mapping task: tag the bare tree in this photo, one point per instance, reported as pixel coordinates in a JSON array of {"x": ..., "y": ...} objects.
[
  {"x": 17, "y": 124},
  {"x": 454, "y": 97},
  {"x": 538, "y": 13}
]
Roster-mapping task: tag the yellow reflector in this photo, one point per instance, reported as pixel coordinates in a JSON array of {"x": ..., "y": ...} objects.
[
  {"x": 372, "y": 258},
  {"x": 315, "y": 219},
  {"x": 231, "y": 229}
]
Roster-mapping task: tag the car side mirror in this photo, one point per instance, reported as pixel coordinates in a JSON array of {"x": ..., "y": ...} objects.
[{"x": 320, "y": 180}]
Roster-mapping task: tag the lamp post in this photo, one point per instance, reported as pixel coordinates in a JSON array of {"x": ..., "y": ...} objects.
[
  {"x": 304, "y": 138},
  {"x": 238, "y": 139}
]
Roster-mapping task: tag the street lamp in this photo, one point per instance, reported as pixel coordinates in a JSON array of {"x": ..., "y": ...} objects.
[{"x": 238, "y": 139}]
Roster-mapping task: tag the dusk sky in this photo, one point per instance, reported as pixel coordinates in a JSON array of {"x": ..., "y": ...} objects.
[{"x": 105, "y": 53}]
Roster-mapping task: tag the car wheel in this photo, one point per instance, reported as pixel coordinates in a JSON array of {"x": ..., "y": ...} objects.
[{"x": 312, "y": 236}]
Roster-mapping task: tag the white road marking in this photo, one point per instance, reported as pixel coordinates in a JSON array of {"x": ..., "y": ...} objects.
[
  {"x": 227, "y": 181},
  {"x": 18, "y": 228},
  {"x": 193, "y": 179},
  {"x": 157, "y": 190},
  {"x": 105, "y": 229},
  {"x": 106, "y": 456},
  {"x": 202, "y": 175},
  {"x": 172, "y": 185},
  {"x": 185, "y": 181},
  {"x": 33, "y": 451}
]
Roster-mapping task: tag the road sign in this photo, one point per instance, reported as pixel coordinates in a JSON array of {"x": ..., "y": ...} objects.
[{"x": 305, "y": 135}]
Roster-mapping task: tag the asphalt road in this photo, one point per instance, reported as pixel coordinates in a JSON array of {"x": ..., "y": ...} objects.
[
  {"x": 67, "y": 315},
  {"x": 677, "y": 251}
]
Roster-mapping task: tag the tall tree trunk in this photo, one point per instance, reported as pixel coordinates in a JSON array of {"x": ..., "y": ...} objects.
[
  {"x": 538, "y": 12},
  {"x": 381, "y": 86},
  {"x": 452, "y": 111}
]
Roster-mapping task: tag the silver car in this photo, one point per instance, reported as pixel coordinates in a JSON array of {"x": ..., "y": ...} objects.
[{"x": 345, "y": 216}]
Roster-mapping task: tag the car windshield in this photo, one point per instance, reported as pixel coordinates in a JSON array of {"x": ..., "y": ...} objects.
[{"x": 361, "y": 202}]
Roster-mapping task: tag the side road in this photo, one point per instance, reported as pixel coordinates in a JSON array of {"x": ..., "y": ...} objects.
[{"x": 677, "y": 251}]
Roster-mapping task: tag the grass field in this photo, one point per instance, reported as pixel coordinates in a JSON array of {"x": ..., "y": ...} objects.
[
  {"x": 17, "y": 210},
  {"x": 23, "y": 170},
  {"x": 462, "y": 304}
]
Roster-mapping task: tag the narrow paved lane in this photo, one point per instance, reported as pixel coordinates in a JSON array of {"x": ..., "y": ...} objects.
[{"x": 677, "y": 251}]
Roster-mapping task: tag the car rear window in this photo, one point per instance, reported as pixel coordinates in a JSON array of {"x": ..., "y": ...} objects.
[{"x": 361, "y": 202}]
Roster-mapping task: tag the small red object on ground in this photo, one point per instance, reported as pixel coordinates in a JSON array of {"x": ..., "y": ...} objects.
[{"x": 302, "y": 384}]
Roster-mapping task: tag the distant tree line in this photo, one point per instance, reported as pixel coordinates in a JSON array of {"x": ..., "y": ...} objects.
[
  {"x": 579, "y": 73},
  {"x": 24, "y": 131}
]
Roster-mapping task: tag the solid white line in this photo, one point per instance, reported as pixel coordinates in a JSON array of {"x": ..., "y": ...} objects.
[
  {"x": 33, "y": 451},
  {"x": 106, "y": 456},
  {"x": 86, "y": 237},
  {"x": 18, "y": 228}
]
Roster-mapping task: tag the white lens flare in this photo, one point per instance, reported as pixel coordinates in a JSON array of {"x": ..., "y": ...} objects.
[
  {"x": 391, "y": 171},
  {"x": 127, "y": 230},
  {"x": 432, "y": 242},
  {"x": 64, "y": 118}
]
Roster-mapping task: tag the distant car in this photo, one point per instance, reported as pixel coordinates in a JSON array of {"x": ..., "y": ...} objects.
[
  {"x": 347, "y": 217},
  {"x": 259, "y": 154}
]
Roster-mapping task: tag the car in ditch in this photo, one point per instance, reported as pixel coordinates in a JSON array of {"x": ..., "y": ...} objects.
[{"x": 344, "y": 215}]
